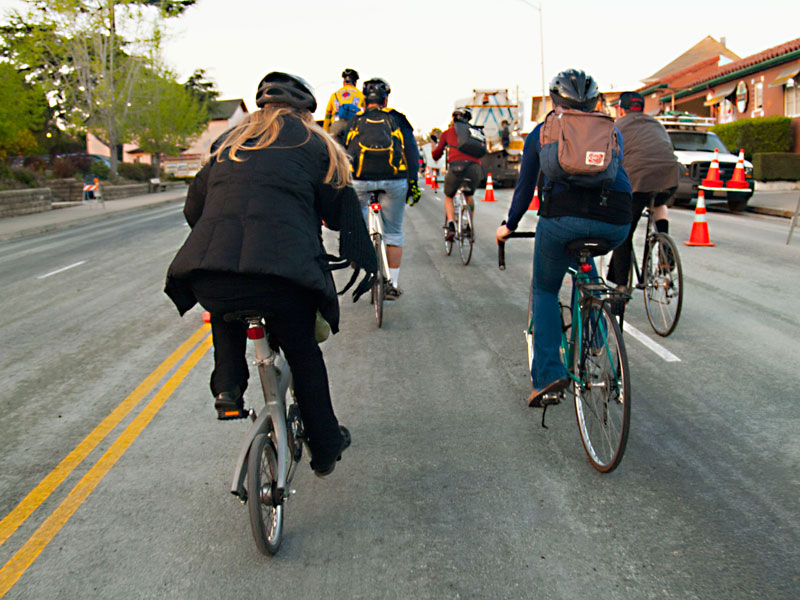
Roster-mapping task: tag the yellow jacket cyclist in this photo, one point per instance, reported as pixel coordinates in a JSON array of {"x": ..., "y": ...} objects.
[{"x": 345, "y": 102}]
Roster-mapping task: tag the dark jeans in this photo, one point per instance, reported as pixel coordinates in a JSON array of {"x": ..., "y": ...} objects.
[
  {"x": 620, "y": 265},
  {"x": 293, "y": 312},
  {"x": 550, "y": 264}
]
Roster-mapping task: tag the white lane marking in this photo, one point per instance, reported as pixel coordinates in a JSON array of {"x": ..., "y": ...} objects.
[
  {"x": 654, "y": 346},
  {"x": 77, "y": 264}
]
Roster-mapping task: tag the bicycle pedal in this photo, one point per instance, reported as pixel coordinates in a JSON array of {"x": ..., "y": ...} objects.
[{"x": 233, "y": 415}]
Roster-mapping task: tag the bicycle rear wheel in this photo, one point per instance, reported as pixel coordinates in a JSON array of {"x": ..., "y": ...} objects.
[
  {"x": 379, "y": 287},
  {"x": 663, "y": 284},
  {"x": 265, "y": 508},
  {"x": 602, "y": 393},
  {"x": 448, "y": 244},
  {"x": 465, "y": 235}
]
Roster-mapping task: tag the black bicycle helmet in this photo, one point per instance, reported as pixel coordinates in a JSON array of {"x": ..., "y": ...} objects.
[
  {"x": 283, "y": 88},
  {"x": 462, "y": 114},
  {"x": 574, "y": 89},
  {"x": 376, "y": 90},
  {"x": 351, "y": 75}
]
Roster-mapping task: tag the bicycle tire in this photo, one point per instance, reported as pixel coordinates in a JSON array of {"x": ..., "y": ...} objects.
[
  {"x": 266, "y": 518},
  {"x": 379, "y": 287},
  {"x": 465, "y": 234},
  {"x": 602, "y": 392},
  {"x": 663, "y": 284}
]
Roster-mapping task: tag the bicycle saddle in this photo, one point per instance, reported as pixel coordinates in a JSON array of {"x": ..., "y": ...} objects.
[
  {"x": 375, "y": 193},
  {"x": 594, "y": 246},
  {"x": 244, "y": 315}
]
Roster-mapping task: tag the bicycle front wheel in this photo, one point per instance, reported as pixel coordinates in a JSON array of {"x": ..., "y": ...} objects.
[
  {"x": 379, "y": 287},
  {"x": 602, "y": 390},
  {"x": 663, "y": 284},
  {"x": 264, "y": 505},
  {"x": 465, "y": 235}
]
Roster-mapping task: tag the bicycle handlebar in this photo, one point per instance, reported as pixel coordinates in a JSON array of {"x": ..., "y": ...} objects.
[{"x": 501, "y": 246}]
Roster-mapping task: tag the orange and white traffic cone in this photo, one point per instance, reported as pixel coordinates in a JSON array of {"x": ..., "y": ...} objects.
[
  {"x": 427, "y": 175},
  {"x": 712, "y": 180},
  {"x": 738, "y": 181},
  {"x": 488, "y": 196},
  {"x": 206, "y": 317},
  {"x": 699, "y": 234},
  {"x": 534, "y": 205}
]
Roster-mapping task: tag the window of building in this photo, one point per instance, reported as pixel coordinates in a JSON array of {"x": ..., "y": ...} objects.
[
  {"x": 759, "y": 95},
  {"x": 791, "y": 98}
]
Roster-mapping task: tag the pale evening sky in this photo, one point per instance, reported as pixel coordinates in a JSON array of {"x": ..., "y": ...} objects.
[{"x": 436, "y": 51}]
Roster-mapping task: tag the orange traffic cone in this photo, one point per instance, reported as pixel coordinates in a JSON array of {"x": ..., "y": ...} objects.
[
  {"x": 738, "y": 180},
  {"x": 206, "y": 317},
  {"x": 427, "y": 175},
  {"x": 712, "y": 179},
  {"x": 534, "y": 205},
  {"x": 488, "y": 196},
  {"x": 699, "y": 234},
  {"x": 435, "y": 180}
]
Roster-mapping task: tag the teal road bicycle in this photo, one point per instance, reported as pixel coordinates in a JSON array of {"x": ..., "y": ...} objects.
[{"x": 593, "y": 353}]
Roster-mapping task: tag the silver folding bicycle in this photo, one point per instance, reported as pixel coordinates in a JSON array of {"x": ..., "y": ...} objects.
[{"x": 273, "y": 446}]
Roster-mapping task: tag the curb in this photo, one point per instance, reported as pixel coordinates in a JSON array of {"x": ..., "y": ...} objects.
[
  {"x": 774, "y": 212},
  {"x": 40, "y": 229}
]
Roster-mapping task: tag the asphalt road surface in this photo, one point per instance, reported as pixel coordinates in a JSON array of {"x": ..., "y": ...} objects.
[{"x": 115, "y": 473}]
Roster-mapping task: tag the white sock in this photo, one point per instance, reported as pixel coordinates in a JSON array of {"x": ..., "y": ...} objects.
[{"x": 394, "y": 273}]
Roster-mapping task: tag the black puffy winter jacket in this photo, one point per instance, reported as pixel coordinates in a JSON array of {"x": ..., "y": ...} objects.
[{"x": 262, "y": 216}]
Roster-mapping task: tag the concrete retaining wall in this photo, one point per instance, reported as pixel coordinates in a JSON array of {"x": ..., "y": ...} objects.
[
  {"x": 115, "y": 192},
  {"x": 24, "y": 202}
]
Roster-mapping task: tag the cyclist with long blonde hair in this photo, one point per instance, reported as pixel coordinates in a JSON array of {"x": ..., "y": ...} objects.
[{"x": 256, "y": 210}]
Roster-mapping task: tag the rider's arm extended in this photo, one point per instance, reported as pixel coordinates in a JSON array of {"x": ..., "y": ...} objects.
[
  {"x": 328, "y": 120},
  {"x": 440, "y": 146},
  {"x": 196, "y": 196},
  {"x": 528, "y": 174}
]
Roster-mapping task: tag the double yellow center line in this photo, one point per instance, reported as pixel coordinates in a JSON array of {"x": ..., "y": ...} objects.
[{"x": 24, "y": 557}]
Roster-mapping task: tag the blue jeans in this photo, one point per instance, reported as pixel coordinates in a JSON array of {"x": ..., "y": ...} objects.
[
  {"x": 550, "y": 264},
  {"x": 393, "y": 206}
]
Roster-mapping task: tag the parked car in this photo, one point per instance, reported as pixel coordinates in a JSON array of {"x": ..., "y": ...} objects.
[{"x": 694, "y": 148}]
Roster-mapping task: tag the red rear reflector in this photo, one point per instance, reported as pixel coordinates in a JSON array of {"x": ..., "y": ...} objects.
[
  {"x": 376, "y": 206},
  {"x": 586, "y": 267},
  {"x": 206, "y": 317},
  {"x": 255, "y": 333}
]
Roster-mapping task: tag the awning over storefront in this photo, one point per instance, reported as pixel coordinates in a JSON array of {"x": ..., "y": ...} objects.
[
  {"x": 720, "y": 93},
  {"x": 786, "y": 74}
]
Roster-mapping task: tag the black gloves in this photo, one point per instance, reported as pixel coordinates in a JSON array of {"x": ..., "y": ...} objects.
[{"x": 414, "y": 193}]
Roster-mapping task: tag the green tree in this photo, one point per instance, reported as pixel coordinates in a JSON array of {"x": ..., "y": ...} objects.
[
  {"x": 23, "y": 110},
  {"x": 167, "y": 116},
  {"x": 89, "y": 70}
]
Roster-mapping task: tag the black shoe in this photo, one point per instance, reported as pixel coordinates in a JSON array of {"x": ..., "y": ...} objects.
[
  {"x": 392, "y": 293},
  {"x": 325, "y": 469},
  {"x": 548, "y": 395},
  {"x": 230, "y": 405},
  {"x": 450, "y": 233}
]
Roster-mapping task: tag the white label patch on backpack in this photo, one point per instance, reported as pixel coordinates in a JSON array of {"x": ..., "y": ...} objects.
[{"x": 596, "y": 159}]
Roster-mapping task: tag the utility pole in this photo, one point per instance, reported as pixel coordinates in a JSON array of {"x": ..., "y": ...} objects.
[{"x": 541, "y": 42}]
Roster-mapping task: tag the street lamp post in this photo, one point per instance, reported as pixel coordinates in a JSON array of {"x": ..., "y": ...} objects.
[{"x": 541, "y": 42}]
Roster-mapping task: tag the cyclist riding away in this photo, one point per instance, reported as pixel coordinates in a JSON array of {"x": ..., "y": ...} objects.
[
  {"x": 344, "y": 104},
  {"x": 597, "y": 207},
  {"x": 653, "y": 170},
  {"x": 460, "y": 166},
  {"x": 255, "y": 210},
  {"x": 384, "y": 156}
]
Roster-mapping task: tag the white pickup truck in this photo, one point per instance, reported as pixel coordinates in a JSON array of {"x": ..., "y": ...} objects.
[{"x": 694, "y": 147}]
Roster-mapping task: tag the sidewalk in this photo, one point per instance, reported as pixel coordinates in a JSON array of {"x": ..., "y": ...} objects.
[
  {"x": 778, "y": 203},
  {"x": 63, "y": 218}
]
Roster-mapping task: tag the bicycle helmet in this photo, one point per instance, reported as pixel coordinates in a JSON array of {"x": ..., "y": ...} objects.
[
  {"x": 283, "y": 88},
  {"x": 351, "y": 75},
  {"x": 462, "y": 114},
  {"x": 376, "y": 90},
  {"x": 574, "y": 89}
]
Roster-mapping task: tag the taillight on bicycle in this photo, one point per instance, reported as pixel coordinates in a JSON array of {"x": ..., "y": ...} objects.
[
  {"x": 586, "y": 268},
  {"x": 375, "y": 206},
  {"x": 255, "y": 333}
]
